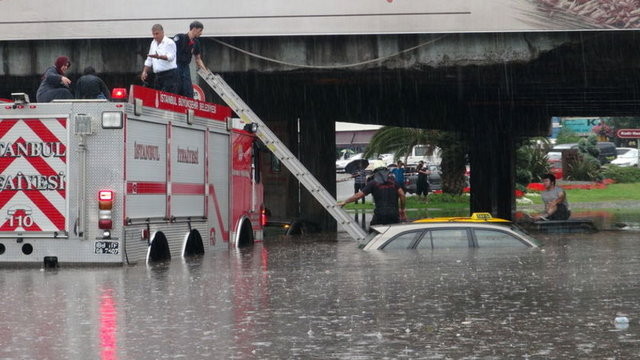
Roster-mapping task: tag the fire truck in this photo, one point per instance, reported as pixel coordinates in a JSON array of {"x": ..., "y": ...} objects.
[{"x": 154, "y": 177}]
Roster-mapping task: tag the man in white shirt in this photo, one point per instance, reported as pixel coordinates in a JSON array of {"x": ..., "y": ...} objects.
[{"x": 162, "y": 59}]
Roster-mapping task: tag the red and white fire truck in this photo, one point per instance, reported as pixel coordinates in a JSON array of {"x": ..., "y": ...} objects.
[{"x": 91, "y": 181}]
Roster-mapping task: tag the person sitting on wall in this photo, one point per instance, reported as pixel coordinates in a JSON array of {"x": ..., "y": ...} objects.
[{"x": 555, "y": 201}]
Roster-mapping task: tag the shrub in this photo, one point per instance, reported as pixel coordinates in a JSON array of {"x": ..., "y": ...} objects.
[
  {"x": 531, "y": 163},
  {"x": 622, "y": 174},
  {"x": 584, "y": 168}
]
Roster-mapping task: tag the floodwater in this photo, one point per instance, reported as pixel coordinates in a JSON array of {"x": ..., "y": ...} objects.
[{"x": 320, "y": 297}]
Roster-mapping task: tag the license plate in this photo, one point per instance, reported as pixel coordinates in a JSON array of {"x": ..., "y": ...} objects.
[{"x": 107, "y": 247}]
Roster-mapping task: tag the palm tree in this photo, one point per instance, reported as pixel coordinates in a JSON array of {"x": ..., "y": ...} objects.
[{"x": 400, "y": 141}]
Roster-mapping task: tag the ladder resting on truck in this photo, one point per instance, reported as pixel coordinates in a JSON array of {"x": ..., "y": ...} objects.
[{"x": 283, "y": 154}]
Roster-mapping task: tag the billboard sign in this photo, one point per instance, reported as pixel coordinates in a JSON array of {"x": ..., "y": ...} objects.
[
  {"x": 580, "y": 126},
  {"x": 37, "y": 19}
]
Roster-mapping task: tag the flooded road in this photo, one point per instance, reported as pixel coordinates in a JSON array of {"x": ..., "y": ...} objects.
[{"x": 319, "y": 297}]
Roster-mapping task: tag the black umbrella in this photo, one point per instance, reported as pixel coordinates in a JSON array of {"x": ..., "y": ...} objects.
[{"x": 356, "y": 165}]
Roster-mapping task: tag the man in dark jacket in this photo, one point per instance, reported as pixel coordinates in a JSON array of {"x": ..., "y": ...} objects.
[
  {"x": 90, "y": 86},
  {"x": 388, "y": 197},
  {"x": 186, "y": 46}
]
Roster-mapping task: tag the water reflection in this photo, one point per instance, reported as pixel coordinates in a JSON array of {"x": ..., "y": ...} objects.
[
  {"x": 108, "y": 326},
  {"x": 321, "y": 297}
]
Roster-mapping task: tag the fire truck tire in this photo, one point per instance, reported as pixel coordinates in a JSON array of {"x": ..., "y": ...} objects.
[
  {"x": 159, "y": 248},
  {"x": 246, "y": 235},
  {"x": 194, "y": 244}
]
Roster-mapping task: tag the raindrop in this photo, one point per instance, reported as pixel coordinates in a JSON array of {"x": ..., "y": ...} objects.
[{"x": 621, "y": 322}]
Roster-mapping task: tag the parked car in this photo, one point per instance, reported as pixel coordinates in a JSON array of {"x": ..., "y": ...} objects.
[
  {"x": 411, "y": 178},
  {"x": 626, "y": 157},
  {"x": 477, "y": 231},
  {"x": 607, "y": 151}
]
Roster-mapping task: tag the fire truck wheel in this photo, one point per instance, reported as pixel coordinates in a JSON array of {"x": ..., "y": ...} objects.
[
  {"x": 159, "y": 248},
  {"x": 194, "y": 244},
  {"x": 246, "y": 235}
]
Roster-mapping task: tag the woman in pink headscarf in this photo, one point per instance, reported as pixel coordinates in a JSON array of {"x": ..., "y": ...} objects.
[{"x": 54, "y": 84}]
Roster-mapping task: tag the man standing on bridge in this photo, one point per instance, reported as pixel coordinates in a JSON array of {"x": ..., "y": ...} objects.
[
  {"x": 187, "y": 45},
  {"x": 162, "y": 58}
]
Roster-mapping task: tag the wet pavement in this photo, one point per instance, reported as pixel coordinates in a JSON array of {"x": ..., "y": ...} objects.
[{"x": 318, "y": 297}]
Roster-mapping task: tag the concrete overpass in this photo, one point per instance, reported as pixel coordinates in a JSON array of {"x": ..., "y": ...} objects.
[{"x": 495, "y": 87}]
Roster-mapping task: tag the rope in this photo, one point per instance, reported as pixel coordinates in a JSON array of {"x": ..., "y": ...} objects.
[{"x": 344, "y": 66}]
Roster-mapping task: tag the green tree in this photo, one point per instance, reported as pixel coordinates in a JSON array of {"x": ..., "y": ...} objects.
[{"x": 400, "y": 141}]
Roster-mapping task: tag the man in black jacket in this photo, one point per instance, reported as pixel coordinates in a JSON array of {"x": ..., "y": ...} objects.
[
  {"x": 186, "y": 45},
  {"x": 388, "y": 197},
  {"x": 90, "y": 86}
]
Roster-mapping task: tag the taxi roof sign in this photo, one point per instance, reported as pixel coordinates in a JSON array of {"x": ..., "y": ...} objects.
[{"x": 475, "y": 217}]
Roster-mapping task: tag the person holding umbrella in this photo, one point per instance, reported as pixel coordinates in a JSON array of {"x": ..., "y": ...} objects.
[{"x": 357, "y": 169}]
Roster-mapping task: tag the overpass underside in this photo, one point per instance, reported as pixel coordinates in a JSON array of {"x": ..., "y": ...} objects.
[{"x": 495, "y": 88}]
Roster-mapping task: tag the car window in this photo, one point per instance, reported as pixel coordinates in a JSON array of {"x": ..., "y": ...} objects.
[
  {"x": 449, "y": 238},
  {"x": 401, "y": 241},
  {"x": 496, "y": 238},
  {"x": 425, "y": 242}
]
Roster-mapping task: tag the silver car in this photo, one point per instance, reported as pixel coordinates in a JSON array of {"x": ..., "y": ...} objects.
[{"x": 448, "y": 234}]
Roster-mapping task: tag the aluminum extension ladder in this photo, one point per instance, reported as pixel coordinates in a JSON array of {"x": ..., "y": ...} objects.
[{"x": 283, "y": 154}]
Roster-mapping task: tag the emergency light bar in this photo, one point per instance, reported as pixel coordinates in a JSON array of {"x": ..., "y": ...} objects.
[{"x": 119, "y": 94}]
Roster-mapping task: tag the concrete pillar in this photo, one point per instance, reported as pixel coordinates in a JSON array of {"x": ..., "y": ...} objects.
[
  {"x": 317, "y": 153},
  {"x": 492, "y": 167}
]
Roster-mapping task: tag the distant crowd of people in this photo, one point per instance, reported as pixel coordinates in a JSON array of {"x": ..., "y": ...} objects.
[{"x": 167, "y": 58}]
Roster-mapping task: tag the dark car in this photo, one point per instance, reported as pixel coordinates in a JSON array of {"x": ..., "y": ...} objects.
[
  {"x": 608, "y": 151},
  {"x": 411, "y": 178}
]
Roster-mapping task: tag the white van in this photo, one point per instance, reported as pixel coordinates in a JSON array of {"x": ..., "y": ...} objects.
[{"x": 420, "y": 152}]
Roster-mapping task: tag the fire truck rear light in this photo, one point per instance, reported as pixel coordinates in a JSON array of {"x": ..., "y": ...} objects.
[
  {"x": 104, "y": 214},
  {"x": 112, "y": 119},
  {"x": 264, "y": 218},
  {"x": 119, "y": 93},
  {"x": 105, "y": 224},
  {"x": 105, "y": 205},
  {"x": 105, "y": 195}
]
